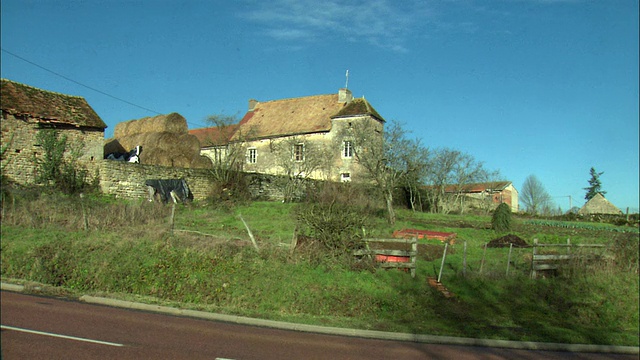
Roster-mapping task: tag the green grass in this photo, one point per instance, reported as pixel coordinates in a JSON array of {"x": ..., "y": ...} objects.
[{"x": 213, "y": 267}]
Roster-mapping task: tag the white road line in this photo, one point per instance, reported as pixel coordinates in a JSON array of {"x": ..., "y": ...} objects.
[{"x": 59, "y": 336}]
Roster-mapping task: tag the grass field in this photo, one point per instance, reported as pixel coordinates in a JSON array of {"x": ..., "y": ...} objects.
[{"x": 127, "y": 250}]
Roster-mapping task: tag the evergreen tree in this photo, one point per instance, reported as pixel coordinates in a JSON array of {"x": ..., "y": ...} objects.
[
  {"x": 595, "y": 186},
  {"x": 501, "y": 220}
]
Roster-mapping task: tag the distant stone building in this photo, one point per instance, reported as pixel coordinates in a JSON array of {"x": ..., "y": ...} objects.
[
  {"x": 306, "y": 136},
  {"x": 492, "y": 193},
  {"x": 26, "y": 110},
  {"x": 599, "y": 205}
]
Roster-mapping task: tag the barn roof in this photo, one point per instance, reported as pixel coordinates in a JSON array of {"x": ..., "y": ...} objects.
[
  {"x": 214, "y": 136},
  {"x": 478, "y": 187},
  {"x": 599, "y": 205},
  {"x": 297, "y": 116},
  {"x": 47, "y": 106}
]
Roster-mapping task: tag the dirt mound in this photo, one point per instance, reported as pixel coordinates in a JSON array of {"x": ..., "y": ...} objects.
[{"x": 506, "y": 240}]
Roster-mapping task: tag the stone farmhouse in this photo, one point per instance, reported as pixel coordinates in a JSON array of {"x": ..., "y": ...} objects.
[
  {"x": 310, "y": 137},
  {"x": 26, "y": 110},
  {"x": 494, "y": 193}
]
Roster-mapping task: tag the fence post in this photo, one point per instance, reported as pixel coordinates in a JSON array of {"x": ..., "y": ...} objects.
[
  {"x": 172, "y": 220},
  {"x": 509, "y": 258},
  {"x": 414, "y": 256},
  {"x": 533, "y": 259},
  {"x": 444, "y": 255},
  {"x": 483, "y": 254},
  {"x": 464, "y": 259}
]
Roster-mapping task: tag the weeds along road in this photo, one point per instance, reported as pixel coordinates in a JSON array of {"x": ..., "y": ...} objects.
[{"x": 36, "y": 327}]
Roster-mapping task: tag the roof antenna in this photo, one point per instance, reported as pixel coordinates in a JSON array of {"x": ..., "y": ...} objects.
[{"x": 346, "y": 85}]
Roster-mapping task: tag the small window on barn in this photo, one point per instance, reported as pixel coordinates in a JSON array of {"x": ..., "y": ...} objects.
[
  {"x": 298, "y": 152},
  {"x": 345, "y": 177},
  {"x": 252, "y": 156}
]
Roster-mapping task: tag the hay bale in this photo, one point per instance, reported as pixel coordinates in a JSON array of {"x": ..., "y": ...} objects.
[
  {"x": 165, "y": 148},
  {"x": 202, "y": 162},
  {"x": 170, "y": 123}
]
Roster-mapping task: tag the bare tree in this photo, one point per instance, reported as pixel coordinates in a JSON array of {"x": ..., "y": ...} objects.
[
  {"x": 441, "y": 165},
  {"x": 227, "y": 156},
  {"x": 534, "y": 197},
  {"x": 388, "y": 157},
  {"x": 449, "y": 171},
  {"x": 298, "y": 161},
  {"x": 466, "y": 170}
]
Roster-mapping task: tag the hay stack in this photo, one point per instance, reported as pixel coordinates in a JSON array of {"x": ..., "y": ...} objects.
[
  {"x": 171, "y": 123},
  {"x": 165, "y": 141}
]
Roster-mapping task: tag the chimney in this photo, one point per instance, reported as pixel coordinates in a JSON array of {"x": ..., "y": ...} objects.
[
  {"x": 252, "y": 104},
  {"x": 345, "y": 95}
]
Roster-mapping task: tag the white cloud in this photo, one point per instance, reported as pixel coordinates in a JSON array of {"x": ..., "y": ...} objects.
[{"x": 382, "y": 23}]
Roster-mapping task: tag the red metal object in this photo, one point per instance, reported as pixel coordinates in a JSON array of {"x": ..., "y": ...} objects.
[
  {"x": 391, "y": 258},
  {"x": 425, "y": 234}
]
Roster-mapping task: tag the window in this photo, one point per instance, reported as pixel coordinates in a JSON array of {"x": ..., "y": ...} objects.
[
  {"x": 252, "y": 156},
  {"x": 298, "y": 152},
  {"x": 345, "y": 177},
  {"x": 347, "y": 149}
]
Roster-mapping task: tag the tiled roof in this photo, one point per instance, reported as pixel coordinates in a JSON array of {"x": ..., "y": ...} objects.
[
  {"x": 213, "y": 136},
  {"x": 47, "y": 106},
  {"x": 297, "y": 116},
  {"x": 478, "y": 187},
  {"x": 358, "y": 107}
]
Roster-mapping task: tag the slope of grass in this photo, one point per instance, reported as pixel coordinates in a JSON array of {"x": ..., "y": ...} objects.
[{"x": 213, "y": 267}]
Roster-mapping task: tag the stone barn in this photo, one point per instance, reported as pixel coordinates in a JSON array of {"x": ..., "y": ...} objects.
[
  {"x": 599, "y": 205},
  {"x": 27, "y": 110}
]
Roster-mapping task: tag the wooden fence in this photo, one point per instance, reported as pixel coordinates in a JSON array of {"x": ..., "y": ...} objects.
[
  {"x": 388, "y": 258},
  {"x": 544, "y": 262}
]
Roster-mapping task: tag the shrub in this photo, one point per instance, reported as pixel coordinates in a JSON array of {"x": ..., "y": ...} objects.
[
  {"x": 60, "y": 170},
  {"x": 501, "y": 220},
  {"x": 338, "y": 227},
  {"x": 330, "y": 218}
]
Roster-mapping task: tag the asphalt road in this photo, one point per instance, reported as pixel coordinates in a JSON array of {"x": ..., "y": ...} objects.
[{"x": 36, "y": 327}]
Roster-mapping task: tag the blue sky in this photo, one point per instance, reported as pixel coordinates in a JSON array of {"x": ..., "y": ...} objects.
[{"x": 543, "y": 87}]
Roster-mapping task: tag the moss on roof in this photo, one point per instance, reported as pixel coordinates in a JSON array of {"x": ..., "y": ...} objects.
[
  {"x": 358, "y": 107},
  {"x": 47, "y": 106}
]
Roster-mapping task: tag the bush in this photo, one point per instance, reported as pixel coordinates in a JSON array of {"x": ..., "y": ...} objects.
[
  {"x": 330, "y": 218},
  {"x": 501, "y": 220},
  {"x": 58, "y": 165},
  {"x": 337, "y": 227}
]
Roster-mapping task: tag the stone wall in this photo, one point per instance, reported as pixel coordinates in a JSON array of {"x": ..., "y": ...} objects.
[
  {"x": 127, "y": 180},
  {"x": 121, "y": 179}
]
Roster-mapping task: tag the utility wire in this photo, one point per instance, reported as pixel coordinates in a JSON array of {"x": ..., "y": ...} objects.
[
  {"x": 79, "y": 83},
  {"x": 91, "y": 88}
]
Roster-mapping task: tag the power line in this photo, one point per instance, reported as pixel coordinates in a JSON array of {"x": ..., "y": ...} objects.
[
  {"x": 89, "y": 87},
  {"x": 79, "y": 83}
]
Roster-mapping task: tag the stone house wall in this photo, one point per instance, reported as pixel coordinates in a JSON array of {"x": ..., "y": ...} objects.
[
  {"x": 18, "y": 136},
  {"x": 325, "y": 148}
]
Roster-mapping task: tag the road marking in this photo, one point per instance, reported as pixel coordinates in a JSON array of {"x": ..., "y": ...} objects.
[{"x": 59, "y": 336}]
